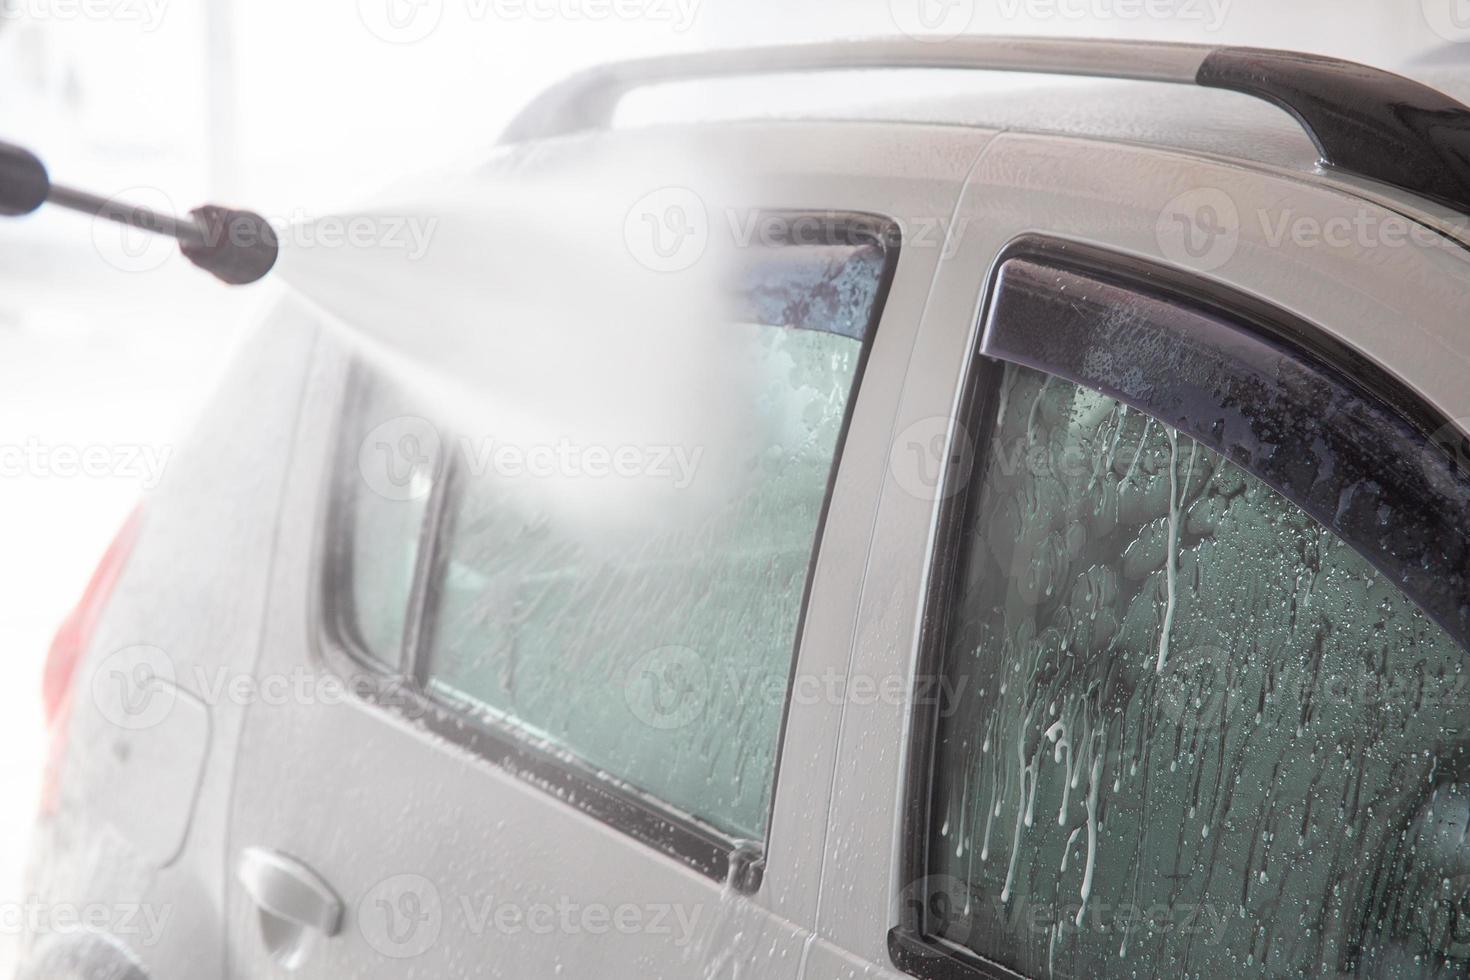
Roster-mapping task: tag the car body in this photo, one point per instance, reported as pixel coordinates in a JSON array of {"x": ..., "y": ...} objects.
[{"x": 392, "y": 832}]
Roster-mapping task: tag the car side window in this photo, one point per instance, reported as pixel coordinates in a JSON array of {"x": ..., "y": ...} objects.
[
  {"x": 1198, "y": 726},
  {"x": 664, "y": 662},
  {"x": 1196, "y": 734},
  {"x": 644, "y": 678},
  {"x": 391, "y": 462}
]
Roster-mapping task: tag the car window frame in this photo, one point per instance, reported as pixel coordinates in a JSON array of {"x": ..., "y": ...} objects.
[
  {"x": 566, "y": 778},
  {"x": 912, "y": 948},
  {"x": 337, "y": 606}
]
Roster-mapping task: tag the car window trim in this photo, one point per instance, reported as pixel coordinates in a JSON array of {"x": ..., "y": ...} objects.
[
  {"x": 338, "y": 605},
  {"x": 912, "y": 948}
]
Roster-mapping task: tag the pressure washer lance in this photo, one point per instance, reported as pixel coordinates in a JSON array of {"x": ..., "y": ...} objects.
[{"x": 236, "y": 247}]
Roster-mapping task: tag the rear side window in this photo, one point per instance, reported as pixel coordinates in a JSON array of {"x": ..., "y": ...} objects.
[
  {"x": 1212, "y": 714},
  {"x": 648, "y": 677},
  {"x": 666, "y": 663},
  {"x": 395, "y": 463}
]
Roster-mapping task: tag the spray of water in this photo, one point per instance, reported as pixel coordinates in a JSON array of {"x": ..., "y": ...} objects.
[{"x": 527, "y": 315}]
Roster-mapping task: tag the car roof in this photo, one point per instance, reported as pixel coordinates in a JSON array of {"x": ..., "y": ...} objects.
[
  {"x": 1362, "y": 128},
  {"x": 1208, "y": 122},
  {"x": 1199, "y": 120}
]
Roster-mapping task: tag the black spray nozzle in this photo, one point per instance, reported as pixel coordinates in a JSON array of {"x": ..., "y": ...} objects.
[
  {"x": 24, "y": 184},
  {"x": 236, "y": 247}
]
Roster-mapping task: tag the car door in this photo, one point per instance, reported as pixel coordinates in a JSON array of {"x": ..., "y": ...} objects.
[
  {"x": 1189, "y": 621},
  {"x": 473, "y": 751}
]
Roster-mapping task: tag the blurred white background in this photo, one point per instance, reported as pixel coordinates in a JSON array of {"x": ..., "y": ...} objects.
[{"x": 295, "y": 109}]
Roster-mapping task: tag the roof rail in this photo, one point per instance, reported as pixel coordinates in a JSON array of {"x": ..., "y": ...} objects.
[{"x": 1364, "y": 121}]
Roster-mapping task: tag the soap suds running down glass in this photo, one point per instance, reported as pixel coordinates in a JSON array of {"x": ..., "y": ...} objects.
[{"x": 1182, "y": 747}]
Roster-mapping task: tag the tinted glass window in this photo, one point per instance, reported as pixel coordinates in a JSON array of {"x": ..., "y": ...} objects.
[
  {"x": 663, "y": 662},
  {"x": 1197, "y": 734}
]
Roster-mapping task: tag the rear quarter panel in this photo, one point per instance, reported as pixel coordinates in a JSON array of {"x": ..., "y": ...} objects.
[{"x": 138, "y": 836}]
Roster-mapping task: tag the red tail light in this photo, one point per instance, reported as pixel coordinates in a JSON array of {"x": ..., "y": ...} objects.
[{"x": 71, "y": 642}]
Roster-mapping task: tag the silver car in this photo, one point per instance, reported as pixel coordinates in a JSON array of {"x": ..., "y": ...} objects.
[{"x": 1087, "y": 596}]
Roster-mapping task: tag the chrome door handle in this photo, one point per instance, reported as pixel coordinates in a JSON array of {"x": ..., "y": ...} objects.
[{"x": 293, "y": 900}]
